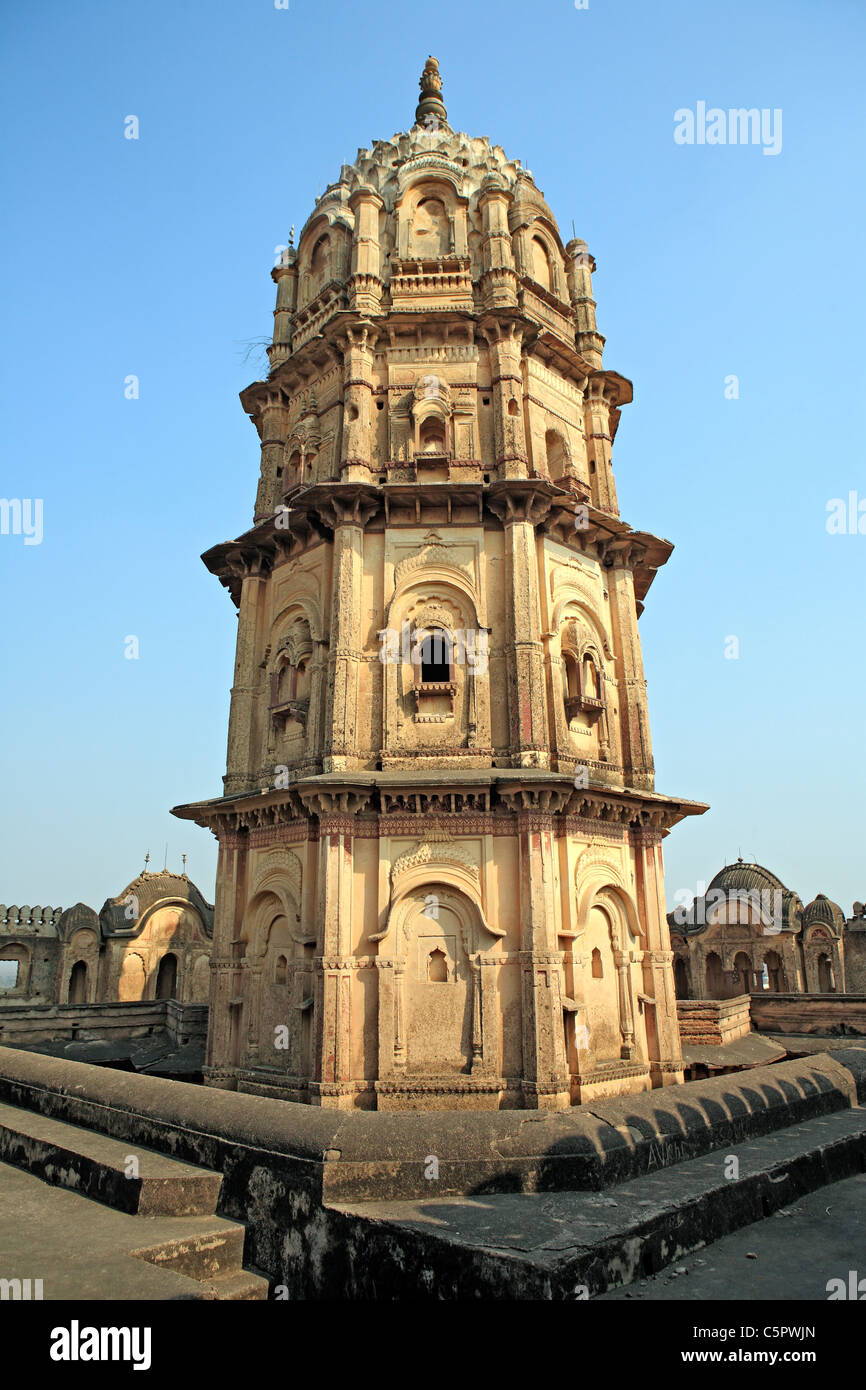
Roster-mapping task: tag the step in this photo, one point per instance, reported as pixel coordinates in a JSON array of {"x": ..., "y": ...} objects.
[
  {"x": 210, "y": 1249},
  {"x": 80, "y": 1250},
  {"x": 97, "y": 1166},
  {"x": 567, "y": 1245},
  {"x": 245, "y": 1286}
]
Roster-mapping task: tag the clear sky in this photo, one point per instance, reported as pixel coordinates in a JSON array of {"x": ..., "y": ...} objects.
[{"x": 151, "y": 257}]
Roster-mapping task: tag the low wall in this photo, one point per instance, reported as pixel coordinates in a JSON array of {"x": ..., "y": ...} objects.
[
  {"x": 713, "y": 1021},
  {"x": 286, "y": 1165},
  {"x": 829, "y": 1015},
  {"x": 24, "y": 1025}
]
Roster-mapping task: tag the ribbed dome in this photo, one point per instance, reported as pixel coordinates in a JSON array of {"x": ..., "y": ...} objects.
[
  {"x": 745, "y": 876},
  {"x": 148, "y": 890},
  {"x": 77, "y": 918},
  {"x": 822, "y": 910}
]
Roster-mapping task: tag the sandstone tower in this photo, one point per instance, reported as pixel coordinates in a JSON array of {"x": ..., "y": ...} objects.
[{"x": 440, "y": 870}]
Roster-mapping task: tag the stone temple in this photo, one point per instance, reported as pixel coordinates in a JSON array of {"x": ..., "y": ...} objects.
[{"x": 440, "y": 878}]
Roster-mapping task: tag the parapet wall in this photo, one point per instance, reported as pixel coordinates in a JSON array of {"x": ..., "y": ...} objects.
[
  {"x": 286, "y": 1166},
  {"x": 831, "y": 1015},
  {"x": 24, "y": 1025}
]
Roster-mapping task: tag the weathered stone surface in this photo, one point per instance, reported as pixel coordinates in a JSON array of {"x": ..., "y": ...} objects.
[
  {"x": 287, "y": 1169},
  {"x": 440, "y": 880}
]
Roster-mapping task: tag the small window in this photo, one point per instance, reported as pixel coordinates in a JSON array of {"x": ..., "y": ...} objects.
[
  {"x": 281, "y": 971},
  {"x": 597, "y": 967},
  {"x": 8, "y": 974},
  {"x": 380, "y": 405},
  {"x": 435, "y": 658},
  {"x": 485, "y": 400},
  {"x": 437, "y": 967},
  {"x": 590, "y": 679},
  {"x": 432, "y": 436}
]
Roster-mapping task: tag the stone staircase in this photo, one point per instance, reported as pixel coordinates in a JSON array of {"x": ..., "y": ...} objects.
[{"x": 149, "y": 1228}]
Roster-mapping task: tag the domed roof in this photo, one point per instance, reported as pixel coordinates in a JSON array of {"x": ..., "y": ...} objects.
[
  {"x": 429, "y": 149},
  {"x": 123, "y": 914},
  {"x": 79, "y": 917},
  {"x": 821, "y": 910},
  {"x": 777, "y": 904},
  {"x": 742, "y": 876}
]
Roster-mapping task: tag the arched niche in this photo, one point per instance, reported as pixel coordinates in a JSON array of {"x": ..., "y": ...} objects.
[
  {"x": 540, "y": 262},
  {"x": 276, "y": 879},
  {"x": 579, "y": 668},
  {"x": 438, "y": 1004},
  {"x": 601, "y": 993},
  {"x": 431, "y": 220},
  {"x": 602, "y": 882},
  {"x": 268, "y": 934},
  {"x": 290, "y": 677},
  {"x": 323, "y": 255},
  {"x": 436, "y": 618},
  {"x": 556, "y": 454},
  {"x": 133, "y": 978},
  {"x": 431, "y": 229}
]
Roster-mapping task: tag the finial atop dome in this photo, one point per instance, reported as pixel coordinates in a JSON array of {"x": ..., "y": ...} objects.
[{"x": 430, "y": 112}]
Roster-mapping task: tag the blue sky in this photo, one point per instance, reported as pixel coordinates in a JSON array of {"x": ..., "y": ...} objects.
[{"x": 152, "y": 256}]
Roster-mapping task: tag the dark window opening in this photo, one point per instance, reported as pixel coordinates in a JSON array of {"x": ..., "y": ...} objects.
[
  {"x": 435, "y": 658},
  {"x": 166, "y": 978}
]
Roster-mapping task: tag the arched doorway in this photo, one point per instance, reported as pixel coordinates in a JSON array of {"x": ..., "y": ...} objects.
[
  {"x": 78, "y": 983},
  {"x": 826, "y": 983},
  {"x": 775, "y": 973},
  {"x": 742, "y": 982},
  {"x": 166, "y": 977},
  {"x": 681, "y": 979}
]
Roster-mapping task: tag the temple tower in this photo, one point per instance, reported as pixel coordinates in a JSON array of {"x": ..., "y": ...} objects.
[{"x": 440, "y": 869}]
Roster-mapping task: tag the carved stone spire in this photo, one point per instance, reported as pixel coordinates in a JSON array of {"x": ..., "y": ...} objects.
[{"x": 430, "y": 112}]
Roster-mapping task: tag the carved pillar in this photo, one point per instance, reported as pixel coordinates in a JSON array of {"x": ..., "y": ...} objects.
[
  {"x": 271, "y": 424},
  {"x": 599, "y": 443},
  {"x": 347, "y": 515},
  {"x": 286, "y": 277},
  {"x": 247, "y": 681},
  {"x": 318, "y": 687},
  {"x": 545, "y": 1080},
  {"x": 498, "y": 282},
  {"x": 634, "y": 727},
  {"x": 333, "y": 1083},
  {"x": 226, "y": 958},
  {"x": 253, "y": 993},
  {"x": 356, "y": 458},
  {"x": 488, "y": 1004},
  {"x": 520, "y": 510},
  {"x": 365, "y": 284},
  {"x": 622, "y": 961},
  {"x": 589, "y": 341},
  {"x": 658, "y": 957},
  {"x": 504, "y": 339}
]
